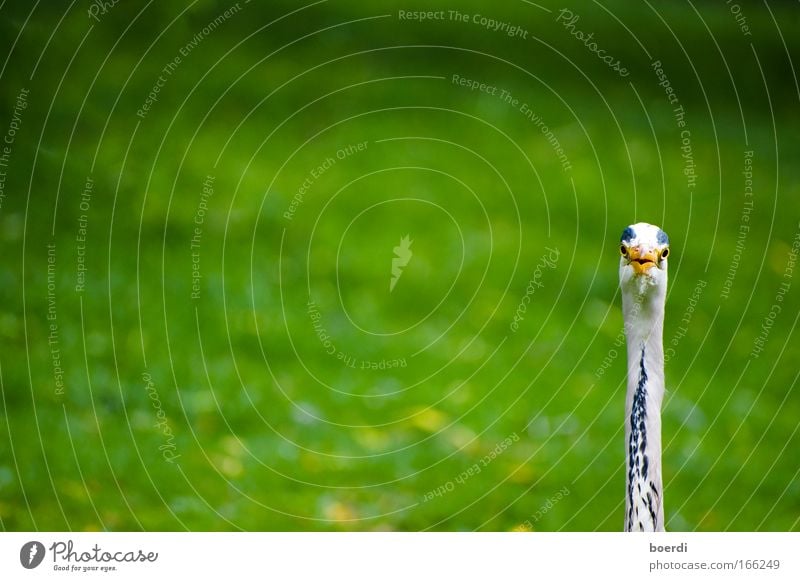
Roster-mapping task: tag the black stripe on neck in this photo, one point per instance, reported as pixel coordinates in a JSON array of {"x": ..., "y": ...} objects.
[
  {"x": 639, "y": 414},
  {"x": 638, "y": 462}
]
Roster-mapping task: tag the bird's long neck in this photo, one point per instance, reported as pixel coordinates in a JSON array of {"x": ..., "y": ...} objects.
[{"x": 644, "y": 322}]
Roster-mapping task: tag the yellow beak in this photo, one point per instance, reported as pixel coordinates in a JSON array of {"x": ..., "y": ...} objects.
[{"x": 641, "y": 261}]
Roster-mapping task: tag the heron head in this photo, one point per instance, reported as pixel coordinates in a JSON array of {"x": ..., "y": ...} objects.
[{"x": 644, "y": 249}]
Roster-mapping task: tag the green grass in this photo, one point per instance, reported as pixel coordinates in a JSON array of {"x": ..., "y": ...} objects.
[{"x": 275, "y": 433}]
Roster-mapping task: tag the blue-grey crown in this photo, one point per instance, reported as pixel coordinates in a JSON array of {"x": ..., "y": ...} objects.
[{"x": 628, "y": 234}]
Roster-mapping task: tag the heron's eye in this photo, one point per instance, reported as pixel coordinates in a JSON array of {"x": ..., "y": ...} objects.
[
  {"x": 665, "y": 253},
  {"x": 623, "y": 250}
]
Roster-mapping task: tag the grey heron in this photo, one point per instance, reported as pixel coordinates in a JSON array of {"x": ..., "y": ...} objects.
[{"x": 644, "y": 249}]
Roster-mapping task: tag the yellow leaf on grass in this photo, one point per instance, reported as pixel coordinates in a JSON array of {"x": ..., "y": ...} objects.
[
  {"x": 339, "y": 511},
  {"x": 430, "y": 419}
]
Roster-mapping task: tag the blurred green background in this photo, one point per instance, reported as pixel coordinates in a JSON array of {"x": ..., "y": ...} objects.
[{"x": 290, "y": 389}]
